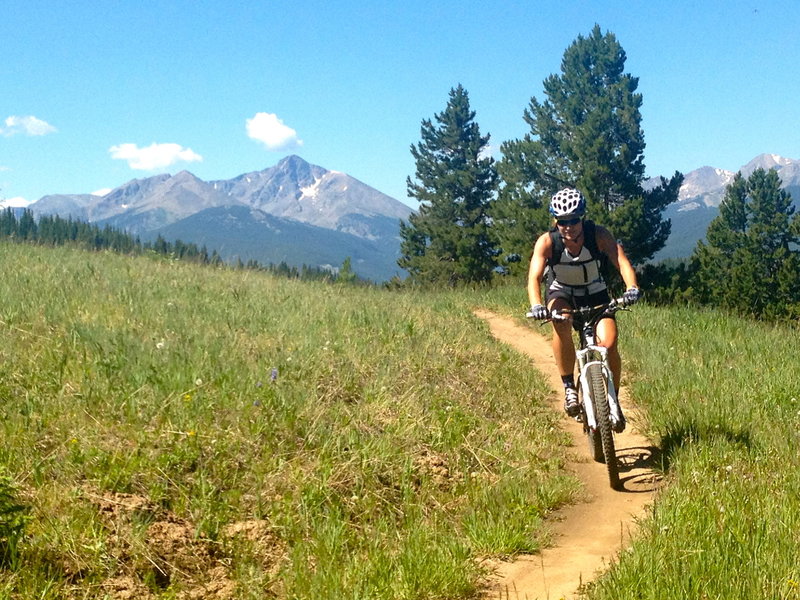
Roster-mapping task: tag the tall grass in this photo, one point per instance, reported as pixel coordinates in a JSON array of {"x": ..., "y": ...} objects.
[{"x": 173, "y": 429}]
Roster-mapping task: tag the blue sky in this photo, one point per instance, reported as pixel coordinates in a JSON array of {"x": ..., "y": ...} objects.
[{"x": 94, "y": 94}]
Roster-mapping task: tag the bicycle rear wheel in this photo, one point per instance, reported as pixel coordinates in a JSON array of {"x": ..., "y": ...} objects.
[{"x": 603, "y": 416}]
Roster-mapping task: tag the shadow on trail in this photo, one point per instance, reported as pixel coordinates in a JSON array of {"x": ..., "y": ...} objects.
[{"x": 640, "y": 469}]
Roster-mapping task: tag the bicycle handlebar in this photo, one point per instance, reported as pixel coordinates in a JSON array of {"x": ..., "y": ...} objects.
[{"x": 564, "y": 315}]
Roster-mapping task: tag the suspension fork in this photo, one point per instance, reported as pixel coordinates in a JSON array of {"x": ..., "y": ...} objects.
[{"x": 591, "y": 354}]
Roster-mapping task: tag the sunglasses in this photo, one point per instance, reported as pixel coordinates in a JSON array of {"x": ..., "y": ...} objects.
[{"x": 568, "y": 222}]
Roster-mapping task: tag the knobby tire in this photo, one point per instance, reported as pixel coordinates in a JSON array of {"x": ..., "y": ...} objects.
[
  {"x": 603, "y": 416},
  {"x": 593, "y": 436}
]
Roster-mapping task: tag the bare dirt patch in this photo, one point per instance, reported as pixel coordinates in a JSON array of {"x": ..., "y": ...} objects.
[
  {"x": 589, "y": 535},
  {"x": 172, "y": 554}
]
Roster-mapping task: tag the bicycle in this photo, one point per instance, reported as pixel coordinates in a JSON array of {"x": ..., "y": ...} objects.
[{"x": 601, "y": 413}]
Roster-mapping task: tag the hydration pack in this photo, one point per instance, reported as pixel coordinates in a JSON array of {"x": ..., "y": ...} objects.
[{"x": 589, "y": 243}]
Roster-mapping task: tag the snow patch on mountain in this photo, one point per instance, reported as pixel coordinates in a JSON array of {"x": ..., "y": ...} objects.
[{"x": 311, "y": 191}]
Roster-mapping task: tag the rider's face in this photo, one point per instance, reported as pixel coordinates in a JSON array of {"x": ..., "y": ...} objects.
[{"x": 570, "y": 229}]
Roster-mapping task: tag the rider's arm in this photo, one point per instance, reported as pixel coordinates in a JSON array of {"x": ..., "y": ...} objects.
[
  {"x": 541, "y": 252},
  {"x": 616, "y": 254}
]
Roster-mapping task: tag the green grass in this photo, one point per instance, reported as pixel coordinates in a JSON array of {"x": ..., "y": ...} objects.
[{"x": 173, "y": 429}]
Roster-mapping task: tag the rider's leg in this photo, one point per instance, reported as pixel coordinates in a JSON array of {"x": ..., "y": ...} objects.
[
  {"x": 563, "y": 344},
  {"x": 564, "y": 353},
  {"x": 607, "y": 336}
]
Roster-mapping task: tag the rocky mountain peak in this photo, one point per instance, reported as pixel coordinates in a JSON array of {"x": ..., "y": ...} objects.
[
  {"x": 769, "y": 161},
  {"x": 704, "y": 180},
  {"x": 295, "y": 167}
]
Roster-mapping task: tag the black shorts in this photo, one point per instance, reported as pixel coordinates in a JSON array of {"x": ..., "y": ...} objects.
[{"x": 580, "y": 301}]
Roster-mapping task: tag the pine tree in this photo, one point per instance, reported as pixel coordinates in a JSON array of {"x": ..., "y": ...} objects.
[
  {"x": 346, "y": 274},
  {"x": 27, "y": 228},
  {"x": 8, "y": 223},
  {"x": 749, "y": 262},
  {"x": 448, "y": 240},
  {"x": 586, "y": 134}
]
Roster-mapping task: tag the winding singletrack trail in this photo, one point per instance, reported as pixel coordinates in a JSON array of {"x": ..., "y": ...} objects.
[{"x": 589, "y": 535}]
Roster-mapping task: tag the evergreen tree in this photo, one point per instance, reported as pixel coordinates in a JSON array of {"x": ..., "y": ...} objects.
[
  {"x": 346, "y": 273},
  {"x": 448, "y": 240},
  {"x": 8, "y": 223},
  {"x": 27, "y": 228},
  {"x": 161, "y": 246},
  {"x": 750, "y": 261},
  {"x": 586, "y": 134}
]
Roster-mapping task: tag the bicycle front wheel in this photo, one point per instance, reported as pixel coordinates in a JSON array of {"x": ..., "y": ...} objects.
[
  {"x": 603, "y": 415},
  {"x": 592, "y": 435}
]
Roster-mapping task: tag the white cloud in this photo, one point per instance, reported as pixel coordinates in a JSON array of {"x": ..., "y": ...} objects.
[
  {"x": 268, "y": 129},
  {"x": 101, "y": 192},
  {"x": 489, "y": 151},
  {"x": 16, "y": 202},
  {"x": 28, "y": 125},
  {"x": 155, "y": 156}
]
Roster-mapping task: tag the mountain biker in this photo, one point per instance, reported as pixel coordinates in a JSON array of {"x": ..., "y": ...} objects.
[{"x": 573, "y": 252}]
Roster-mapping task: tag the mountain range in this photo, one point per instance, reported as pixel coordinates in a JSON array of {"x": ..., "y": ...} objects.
[
  {"x": 701, "y": 194},
  {"x": 294, "y": 212},
  {"x": 299, "y": 213}
]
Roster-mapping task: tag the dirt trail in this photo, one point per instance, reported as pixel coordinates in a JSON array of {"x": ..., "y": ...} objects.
[{"x": 588, "y": 535}]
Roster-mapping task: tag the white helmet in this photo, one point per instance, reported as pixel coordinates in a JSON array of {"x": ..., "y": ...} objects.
[{"x": 569, "y": 202}]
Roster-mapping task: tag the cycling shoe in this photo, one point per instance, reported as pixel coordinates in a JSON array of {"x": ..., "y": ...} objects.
[
  {"x": 619, "y": 426},
  {"x": 571, "y": 406}
]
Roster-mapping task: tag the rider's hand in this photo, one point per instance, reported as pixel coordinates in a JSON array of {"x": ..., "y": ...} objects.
[
  {"x": 539, "y": 312},
  {"x": 631, "y": 296}
]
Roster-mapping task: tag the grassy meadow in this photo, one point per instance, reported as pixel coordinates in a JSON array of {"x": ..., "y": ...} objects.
[{"x": 177, "y": 431}]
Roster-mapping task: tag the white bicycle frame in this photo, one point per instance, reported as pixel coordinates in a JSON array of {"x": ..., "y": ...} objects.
[{"x": 590, "y": 355}]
